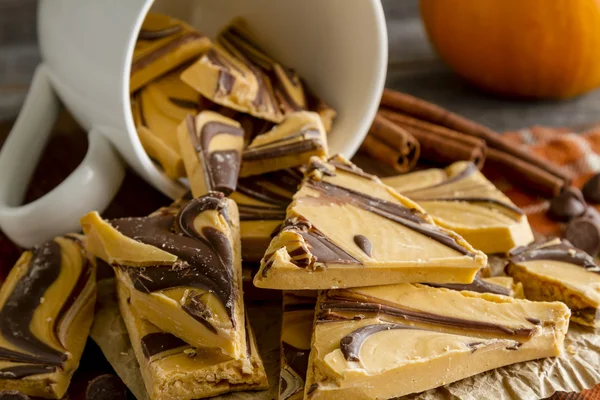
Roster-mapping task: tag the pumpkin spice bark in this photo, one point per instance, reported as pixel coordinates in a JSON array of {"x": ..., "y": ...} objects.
[
  {"x": 296, "y": 331},
  {"x": 556, "y": 271},
  {"x": 211, "y": 147},
  {"x": 345, "y": 228},
  {"x": 173, "y": 369},
  {"x": 290, "y": 144},
  {"x": 164, "y": 43},
  {"x": 157, "y": 110},
  {"x": 460, "y": 198},
  {"x": 183, "y": 269},
  {"x": 262, "y": 201},
  {"x": 390, "y": 341},
  {"x": 46, "y": 310},
  {"x": 500, "y": 285}
]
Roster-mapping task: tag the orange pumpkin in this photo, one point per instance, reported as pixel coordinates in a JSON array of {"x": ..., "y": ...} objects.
[{"x": 524, "y": 48}]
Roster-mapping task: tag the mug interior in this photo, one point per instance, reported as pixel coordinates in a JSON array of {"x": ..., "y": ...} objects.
[{"x": 340, "y": 50}]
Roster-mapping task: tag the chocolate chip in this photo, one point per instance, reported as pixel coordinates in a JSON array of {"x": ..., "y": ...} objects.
[
  {"x": 569, "y": 204},
  {"x": 106, "y": 387},
  {"x": 13, "y": 395},
  {"x": 584, "y": 233},
  {"x": 591, "y": 189}
]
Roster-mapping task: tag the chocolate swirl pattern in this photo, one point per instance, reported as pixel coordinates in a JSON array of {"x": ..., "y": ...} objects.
[
  {"x": 163, "y": 44},
  {"x": 290, "y": 144},
  {"x": 461, "y": 198},
  {"x": 185, "y": 272},
  {"x": 556, "y": 271},
  {"x": 46, "y": 309},
  {"x": 172, "y": 368},
  {"x": 391, "y": 341},
  {"x": 296, "y": 332},
  {"x": 343, "y": 224},
  {"x": 211, "y": 147},
  {"x": 262, "y": 201}
]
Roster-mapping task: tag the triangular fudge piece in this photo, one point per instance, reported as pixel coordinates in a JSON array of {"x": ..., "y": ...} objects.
[
  {"x": 182, "y": 267},
  {"x": 557, "y": 271},
  {"x": 173, "y": 369},
  {"x": 389, "y": 341},
  {"x": 46, "y": 310},
  {"x": 345, "y": 228},
  {"x": 462, "y": 199},
  {"x": 164, "y": 43},
  {"x": 290, "y": 144}
]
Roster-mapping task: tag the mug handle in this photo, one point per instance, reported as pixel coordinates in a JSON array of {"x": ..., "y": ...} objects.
[{"x": 91, "y": 186}]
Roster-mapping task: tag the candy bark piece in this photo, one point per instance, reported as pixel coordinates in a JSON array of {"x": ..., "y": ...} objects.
[
  {"x": 46, "y": 310},
  {"x": 462, "y": 199},
  {"x": 262, "y": 201},
  {"x": 290, "y": 144},
  {"x": 173, "y": 369},
  {"x": 286, "y": 87},
  {"x": 157, "y": 111},
  {"x": 211, "y": 147},
  {"x": 556, "y": 271},
  {"x": 228, "y": 81},
  {"x": 164, "y": 43},
  {"x": 183, "y": 269},
  {"x": 296, "y": 332},
  {"x": 345, "y": 228},
  {"x": 389, "y": 341}
]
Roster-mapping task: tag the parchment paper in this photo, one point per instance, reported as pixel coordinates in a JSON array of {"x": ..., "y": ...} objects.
[{"x": 576, "y": 370}]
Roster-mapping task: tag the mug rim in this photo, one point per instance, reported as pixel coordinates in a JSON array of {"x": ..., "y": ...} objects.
[{"x": 175, "y": 188}]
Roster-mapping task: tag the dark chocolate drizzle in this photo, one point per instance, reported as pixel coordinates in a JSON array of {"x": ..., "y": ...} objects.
[
  {"x": 22, "y": 371},
  {"x": 160, "y": 52},
  {"x": 350, "y": 344},
  {"x": 562, "y": 252},
  {"x": 19, "y": 308},
  {"x": 478, "y": 285},
  {"x": 146, "y": 34},
  {"x": 364, "y": 244},
  {"x": 410, "y": 218},
  {"x": 220, "y": 167},
  {"x": 467, "y": 172},
  {"x": 226, "y": 79},
  {"x": 184, "y": 103},
  {"x": 340, "y": 303},
  {"x": 204, "y": 258},
  {"x": 279, "y": 148},
  {"x": 158, "y": 342},
  {"x": 258, "y": 188}
]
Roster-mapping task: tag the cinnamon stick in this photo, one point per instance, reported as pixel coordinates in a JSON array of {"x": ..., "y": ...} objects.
[
  {"x": 440, "y": 145},
  {"x": 391, "y": 145},
  {"x": 528, "y": 175},
  {"x": 435, "y": 114}
]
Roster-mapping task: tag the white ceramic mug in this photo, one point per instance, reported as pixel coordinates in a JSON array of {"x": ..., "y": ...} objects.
[{"x": 338, "y": 46}]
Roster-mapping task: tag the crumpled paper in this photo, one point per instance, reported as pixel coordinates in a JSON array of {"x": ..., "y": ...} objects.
[
  {"x": 576, "y": 370},
  {"x": 110, "y": 333}
]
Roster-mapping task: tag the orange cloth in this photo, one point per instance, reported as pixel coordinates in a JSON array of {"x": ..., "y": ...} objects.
[{"x": 576, "y": 151}]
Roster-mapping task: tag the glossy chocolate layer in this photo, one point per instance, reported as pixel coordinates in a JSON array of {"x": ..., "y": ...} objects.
[
  {"x": 205, "y": 257},
  {"x": 17, "y": 313},
  {"x": 147, "y": 59},
  {"x": 562, "y": 252},
  {"x": 158, "y": 342},
  {"x": 478, "y": 285},
  {"x": 350, "y": 344},
  {"x": 341, "y": 301},
  {"x": 311, "y": 140},
  {"x": 221, "y": 167}
]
